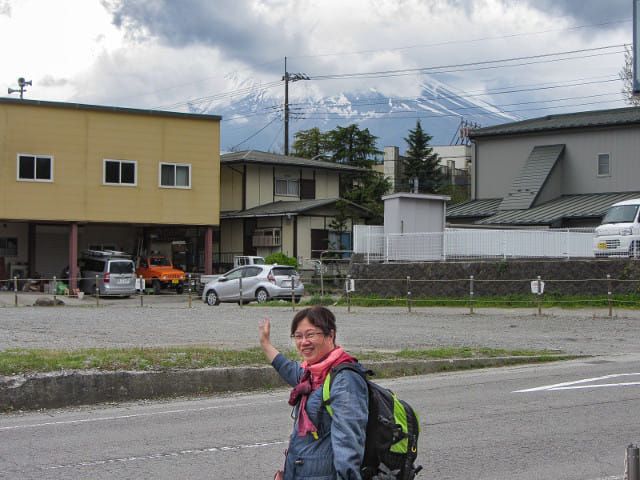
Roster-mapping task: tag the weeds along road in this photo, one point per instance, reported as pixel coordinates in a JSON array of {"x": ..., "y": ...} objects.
[{"x": 167, "y": 320}]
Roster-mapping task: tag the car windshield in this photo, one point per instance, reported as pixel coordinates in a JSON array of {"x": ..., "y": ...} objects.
[
  {"x": 121, "y": 267},
  {"x": 621, "y": 214},
  {"x": 288, "y": 272},
  {"x": 159, "y": 262}
]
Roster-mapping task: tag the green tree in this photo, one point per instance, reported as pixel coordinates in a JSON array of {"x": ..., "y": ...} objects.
[
  {"x": 310, "y": 143},
  {"x": 421, "y": 162},
  {"x": 626, "y": 75},
  {"x": 353, "y": 146}
]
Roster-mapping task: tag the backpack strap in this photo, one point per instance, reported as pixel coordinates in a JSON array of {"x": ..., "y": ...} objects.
[{"x": 328, "y": 381}]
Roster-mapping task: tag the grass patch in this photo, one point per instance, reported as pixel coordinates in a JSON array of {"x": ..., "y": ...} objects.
[
  {"x": 630, "y": 301},
  {"x": 22, "y": 361}
]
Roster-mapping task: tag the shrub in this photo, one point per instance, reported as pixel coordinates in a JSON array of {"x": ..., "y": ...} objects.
[{"x": 281, "y": 259}]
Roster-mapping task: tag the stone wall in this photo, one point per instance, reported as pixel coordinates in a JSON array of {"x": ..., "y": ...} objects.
[{"x": 494, "y": 278}]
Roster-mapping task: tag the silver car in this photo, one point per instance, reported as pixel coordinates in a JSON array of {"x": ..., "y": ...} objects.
[
  {"x": 259, "y": 283},
  {"x": 107, "y": 272}
]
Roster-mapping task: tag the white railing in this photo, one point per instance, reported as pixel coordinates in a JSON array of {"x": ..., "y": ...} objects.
[{"x": 472, "y": 243}]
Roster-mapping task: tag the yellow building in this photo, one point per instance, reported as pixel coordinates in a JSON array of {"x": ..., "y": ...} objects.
[
  {"x": 78, "y": 176},
  {"x": 275, "y": 203}
]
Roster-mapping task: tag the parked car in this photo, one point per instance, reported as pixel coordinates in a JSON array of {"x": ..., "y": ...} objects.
[
  {"x": 109, "y": 271},
  {"x": 260, "y": 283},
  {"x": 619, "y": 232},
  {"x": 158, "y": 271}
]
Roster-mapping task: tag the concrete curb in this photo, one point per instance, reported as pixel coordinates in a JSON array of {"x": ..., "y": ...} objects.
[{"x": 56, "y": 390}]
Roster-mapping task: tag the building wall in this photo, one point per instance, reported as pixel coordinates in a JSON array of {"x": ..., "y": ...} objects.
[
  {"x": 231, "y": 192},
  {"x": 498, "y": 161},
  {"x": 80, "y": 139}
]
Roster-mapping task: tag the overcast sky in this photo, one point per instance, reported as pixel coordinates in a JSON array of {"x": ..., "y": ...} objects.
[{"x": 166, "y": 53}]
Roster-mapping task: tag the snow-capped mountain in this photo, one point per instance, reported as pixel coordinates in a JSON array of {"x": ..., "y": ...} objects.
[{"x": 256, "y": 120}]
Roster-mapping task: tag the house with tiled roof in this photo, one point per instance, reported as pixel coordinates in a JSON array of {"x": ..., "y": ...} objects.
[
  {"x": 555, "y": 171},
  {"x": 272, "y": 203}
]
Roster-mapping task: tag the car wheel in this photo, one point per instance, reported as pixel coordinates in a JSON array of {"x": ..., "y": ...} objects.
[
  {"x": 297, "y": 300},
  {"x": 157, "y": 286},
  {"x": 262, "y": 295},
  {"x": 179, "y": 289},
  {"x": 212, "y": 298}
]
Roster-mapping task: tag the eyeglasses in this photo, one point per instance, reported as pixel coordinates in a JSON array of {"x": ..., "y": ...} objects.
[{"x": 310, "y": 336}]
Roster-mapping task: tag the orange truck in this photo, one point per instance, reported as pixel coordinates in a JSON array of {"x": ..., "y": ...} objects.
[{"x": 158, "y": 271}]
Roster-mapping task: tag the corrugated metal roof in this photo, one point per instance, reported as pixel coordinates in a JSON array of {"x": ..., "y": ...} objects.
[
  {"x": 592, "y": 205},
  {"x": 536, "y": 170},
  {"x": 582, "y": 120},
  {"x": 474, "y": 208},
  {"x": 254, "y": 156},
  {"x": 292, "y": 208}
]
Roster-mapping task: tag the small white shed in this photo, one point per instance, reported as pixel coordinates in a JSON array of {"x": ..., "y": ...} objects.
[{"x": 414, "y": 213}]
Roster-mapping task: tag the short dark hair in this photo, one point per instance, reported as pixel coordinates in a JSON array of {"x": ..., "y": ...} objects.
[{"x": 318, "y": 316}]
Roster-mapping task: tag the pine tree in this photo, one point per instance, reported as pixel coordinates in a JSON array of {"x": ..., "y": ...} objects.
[{"x": 421, "y": 162}]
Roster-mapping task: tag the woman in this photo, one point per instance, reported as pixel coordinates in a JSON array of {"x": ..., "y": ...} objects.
[{"x": 322, "y": 447}]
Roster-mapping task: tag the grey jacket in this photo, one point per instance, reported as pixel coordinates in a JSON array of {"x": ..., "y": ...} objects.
[{"x": 337, "y": 452}]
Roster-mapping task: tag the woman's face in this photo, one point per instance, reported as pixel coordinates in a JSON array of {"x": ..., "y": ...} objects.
[{"x": 311, "y": 342}]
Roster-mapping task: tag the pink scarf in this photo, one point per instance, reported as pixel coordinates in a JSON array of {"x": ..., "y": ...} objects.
[{"x": 312, "y": 378}]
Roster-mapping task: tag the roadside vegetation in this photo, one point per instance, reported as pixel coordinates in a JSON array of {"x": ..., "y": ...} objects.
[
  {"x": 22, "y": 361},
  {"x": 631, "y": 301}
]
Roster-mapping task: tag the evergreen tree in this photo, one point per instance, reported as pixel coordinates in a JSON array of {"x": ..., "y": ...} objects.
[
  {"x": 353, "y": 146},
  {"x": 421, "y": 162},
  {"x": 310, "y": 143}
]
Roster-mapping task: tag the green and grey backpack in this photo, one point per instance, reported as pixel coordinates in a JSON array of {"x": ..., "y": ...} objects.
[{"x": 391, "y": 447}]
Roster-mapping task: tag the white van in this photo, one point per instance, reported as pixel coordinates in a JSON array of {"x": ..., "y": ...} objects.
[{"x": 619, "y": 232}]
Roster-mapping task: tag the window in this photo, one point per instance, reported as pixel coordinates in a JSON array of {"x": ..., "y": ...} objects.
[
  {"x": 604, "y": 167},
  {"x": 35, "y": 168},
  {"x": 176, "y": 175},
  {"x": 8, "y": 247},
  {"x": 287, "y": 187},
  {"x": 119, "y": 172}
]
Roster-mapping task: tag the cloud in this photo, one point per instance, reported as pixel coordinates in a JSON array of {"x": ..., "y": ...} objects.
[
  {"x": 5, "y": 8},
  {"x": 588, "y": 11},
  {"x": 246, "y": 30}
]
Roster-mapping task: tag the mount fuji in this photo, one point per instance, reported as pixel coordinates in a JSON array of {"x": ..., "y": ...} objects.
[{"x": 256, "y": 121}]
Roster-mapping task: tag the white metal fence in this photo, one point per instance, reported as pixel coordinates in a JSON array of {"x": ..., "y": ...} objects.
[{"x": 471, "y": 243}]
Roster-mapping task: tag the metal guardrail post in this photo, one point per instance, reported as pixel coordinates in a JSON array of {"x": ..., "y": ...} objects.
[
  {"x": 189, "y": 276},
  {"x": 240, "y": 285},
  {"x": 15, "y": 291},
  {"x": 346, "y": 286},
  {"x": 55, "y": 291},
  {"x": 409, "y": 293},
  {"x": 97, "y": 292},
  {"x": 141, "y": 291},
  {"x": 470, "y": 294},
  {"x": 609, "y": 295},
  {"x": 632, "y": 463}
]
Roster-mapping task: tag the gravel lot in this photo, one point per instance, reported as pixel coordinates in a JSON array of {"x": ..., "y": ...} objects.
[{"x": 167, "y": 320}]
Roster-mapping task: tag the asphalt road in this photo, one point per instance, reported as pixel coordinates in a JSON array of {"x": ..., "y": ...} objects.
[{"x": 570, "y": 420}]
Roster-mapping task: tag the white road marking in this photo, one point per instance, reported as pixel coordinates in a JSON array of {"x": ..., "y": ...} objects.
[
  {"x": 584, "y": 384},
  {"x": 157, "y": 456},
  {"x": 135, "y": 415}
]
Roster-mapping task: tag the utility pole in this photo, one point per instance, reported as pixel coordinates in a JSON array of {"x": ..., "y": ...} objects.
[{"x": 289, "y": 77}]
